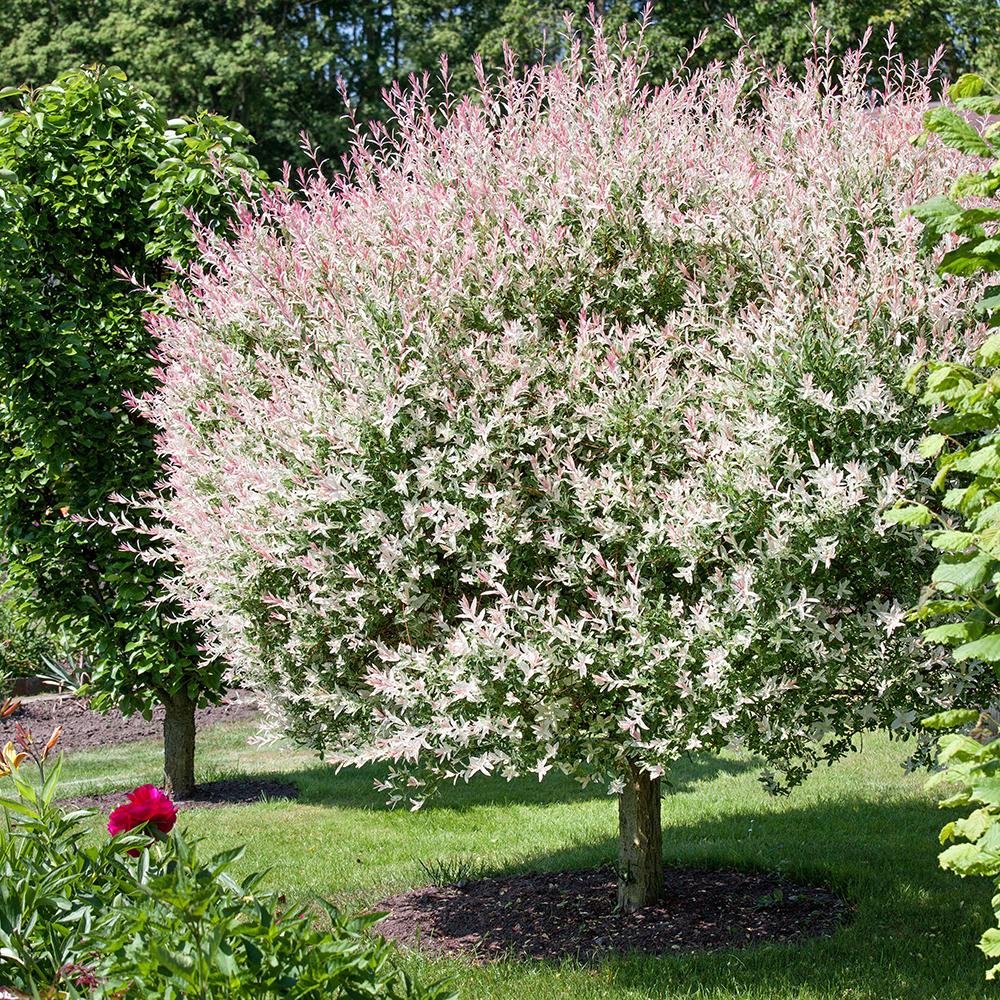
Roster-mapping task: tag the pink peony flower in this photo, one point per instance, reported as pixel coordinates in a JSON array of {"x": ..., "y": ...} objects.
[{"x": 147, "y": 804}]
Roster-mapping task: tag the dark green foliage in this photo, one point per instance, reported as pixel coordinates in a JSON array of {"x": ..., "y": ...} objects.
[
  {"x": 780, "y": 30},
  {"x": 25, "y": 646},
  {"x": 274, "y": 66},
  {"x": 94, "y": 181}
]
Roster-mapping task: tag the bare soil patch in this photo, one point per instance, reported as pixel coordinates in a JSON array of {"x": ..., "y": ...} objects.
[
  {"x": 85, "y": 729},
  {"x": 572, "y": 915}
]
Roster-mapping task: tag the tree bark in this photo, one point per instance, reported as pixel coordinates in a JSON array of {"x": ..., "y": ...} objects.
[
  {"x": 178, "y": 746},
  {"x": 640, "y": 841}
]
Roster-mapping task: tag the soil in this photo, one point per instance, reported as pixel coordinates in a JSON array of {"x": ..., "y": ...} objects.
[
  {"x": 572, "y": 915},
  {"x": 211, "y": 794},
  {"x": 85, "y": 729}
]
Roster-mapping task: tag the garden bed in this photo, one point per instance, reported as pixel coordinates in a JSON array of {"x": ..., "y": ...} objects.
[
  {"x": 86, "y": 729},
  {"x": 558, "y": 915}
]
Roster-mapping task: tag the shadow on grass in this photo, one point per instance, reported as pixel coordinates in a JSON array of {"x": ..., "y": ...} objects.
[
  {"x": 913, "y": 930},
  {"x": 914, "y": 927},
  {"x": 355, "y": 789}
]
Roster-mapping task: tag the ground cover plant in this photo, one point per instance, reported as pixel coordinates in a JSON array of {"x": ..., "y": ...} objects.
[
  {"x": 554, "y": 433},
  {"x": 94, "y": 182}
]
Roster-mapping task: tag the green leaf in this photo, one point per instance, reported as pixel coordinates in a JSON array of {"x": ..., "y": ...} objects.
[
  {"x": 986, "y": 648},
  {"x": 951, "y": 719},
  {"x": 989, "y": 352},
  {"x": 956, "y": 131},
  {"x": 967, "y": 85},
  {"x": 973, "y": 256},
  {"x": 963, "y": 574},
  {"x": 986, "y": 790},
  {"x": 952, "y": 541},
  {"x": 939, "y": 212},
  {"x": 973, "y": 826},
  {"x": 954, "y": 632},
  {"x": 933, "y": 443},
  {"x": 914, "y": 514}
]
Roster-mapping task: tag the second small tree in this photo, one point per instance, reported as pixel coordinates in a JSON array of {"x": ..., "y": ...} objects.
[{"x": 95, "y": 186}]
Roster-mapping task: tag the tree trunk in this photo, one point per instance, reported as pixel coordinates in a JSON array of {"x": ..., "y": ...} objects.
[
  {"x": 640, "y": 841},
  {"x": 178, "y": 746}
]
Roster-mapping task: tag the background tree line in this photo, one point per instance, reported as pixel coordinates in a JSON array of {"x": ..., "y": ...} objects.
[{"x": 273, "y": 65}]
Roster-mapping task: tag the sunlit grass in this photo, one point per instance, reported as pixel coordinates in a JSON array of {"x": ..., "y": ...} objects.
[{"x": 862, "y": 827}]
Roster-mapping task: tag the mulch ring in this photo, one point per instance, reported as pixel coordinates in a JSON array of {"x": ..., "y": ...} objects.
[
  {"x": 211, "y": 794},
  {"x": 85, "y": 729},
  {"x": 572, "y": 915}
]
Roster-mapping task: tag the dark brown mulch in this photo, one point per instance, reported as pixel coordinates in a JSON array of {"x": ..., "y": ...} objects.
[
  {"x": 235, "y": 792},
  {"x": 85, "y": 729},
  {"x": 572, "y": 914}
]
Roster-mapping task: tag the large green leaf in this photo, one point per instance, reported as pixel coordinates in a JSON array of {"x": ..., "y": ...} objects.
[
  {"x": 913, "y": 514},
  {"x": 985, "y": 648},
  {"x": 956, "y": 131},
  {"x": 964, "y": 574}
]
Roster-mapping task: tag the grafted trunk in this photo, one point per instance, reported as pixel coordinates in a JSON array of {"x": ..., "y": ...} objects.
[
  {"x": 640, "y": 841},
  {"x": 178, "y": 746}
]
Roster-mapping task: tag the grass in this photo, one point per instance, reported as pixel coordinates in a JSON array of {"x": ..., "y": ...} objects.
[{"x": 861, "y": 827}]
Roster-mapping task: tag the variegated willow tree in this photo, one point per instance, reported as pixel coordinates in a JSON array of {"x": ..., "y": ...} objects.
[{"x": 553, "y": 433}]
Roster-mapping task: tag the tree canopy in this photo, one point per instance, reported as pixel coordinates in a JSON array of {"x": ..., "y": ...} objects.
[
  {"x": 555, "y": 433},
  {"x": 274, "y": 66}
]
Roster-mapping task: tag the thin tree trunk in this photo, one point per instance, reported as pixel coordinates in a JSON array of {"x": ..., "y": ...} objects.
[
  {"x": 178, "y": 746},
  {"x": 640, "y": 841}
]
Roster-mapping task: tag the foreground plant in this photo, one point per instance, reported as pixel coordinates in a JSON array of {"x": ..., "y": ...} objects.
[
  {"x": 130, "y": 917},
  {"x": 965, "y": 524},
  {"x": 554, "y": 433}
]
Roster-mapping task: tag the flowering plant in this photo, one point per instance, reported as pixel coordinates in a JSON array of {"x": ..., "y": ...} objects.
[
  {"x": 146, "y": 805},
  {"x": 555, "y": 431},
  {"x": 81, "y": 919},
  {"x": 24, "y": 746}
]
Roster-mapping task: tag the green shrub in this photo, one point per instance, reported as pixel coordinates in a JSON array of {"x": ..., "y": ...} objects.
[
  {"x": 25, "y": 645},
  {"x": 964, "y": 526},
  {"x": 964, "y": 434}
]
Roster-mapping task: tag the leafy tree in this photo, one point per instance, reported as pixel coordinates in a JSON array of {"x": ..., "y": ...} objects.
[
  {"x": 781, "y": 31},
  {"x": 271, "y": 66},
  {"x": 555, "y": 432},
  {"x": 94, "y": 181}
]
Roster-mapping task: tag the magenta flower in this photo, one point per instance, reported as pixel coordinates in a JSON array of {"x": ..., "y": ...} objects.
[{"x": 147, "y": 804}]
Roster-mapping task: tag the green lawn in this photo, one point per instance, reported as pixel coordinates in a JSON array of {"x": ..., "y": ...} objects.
[{"x": 862, "y": 827}]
